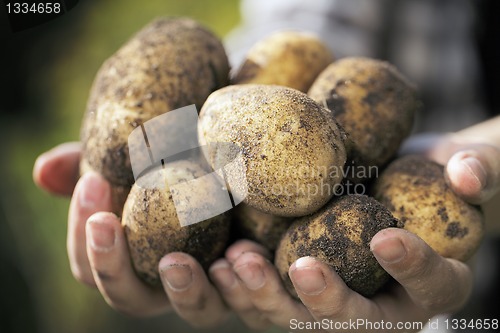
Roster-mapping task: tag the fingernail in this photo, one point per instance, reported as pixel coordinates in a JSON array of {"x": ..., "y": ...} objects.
[
  {"x": 476, "y": 169},
  {"x": 251, "y": 275},
  {"x": 92, "y": 192},
  {"x": 102, "y": 236},
  {"x": 177, "y": 277},
  {"x": 390, "y": 250},
  {"x": 233, "y": 256},
  {"x": 308, "y": 279},
  {"x": 223, "y": 275}
]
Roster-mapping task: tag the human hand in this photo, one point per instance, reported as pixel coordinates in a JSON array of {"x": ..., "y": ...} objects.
[
  {"x": 471, "y": 157},
  {"x": 98, "y": 253},
  {"x": 472, "y": 165},
  {"x": 427, "y": 283},
  {"x": 472, "y": 168}
]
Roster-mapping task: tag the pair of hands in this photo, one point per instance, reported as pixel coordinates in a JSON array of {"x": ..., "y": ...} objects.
[{"x": 245, "y": 281}]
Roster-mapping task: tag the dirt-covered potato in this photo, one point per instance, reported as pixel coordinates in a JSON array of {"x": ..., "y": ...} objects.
[
  {"x": 374, "y": 103},
  {"x": 169, "y": 64},
  {"x": 415, "y": 191},
  {"x": 263, "y": 228},
  {"x": 152, "y": 224},
  {"x": 287, "y": 58},
  {"x": 292, "y": 149},
  {"x": 339, "y": 234}
]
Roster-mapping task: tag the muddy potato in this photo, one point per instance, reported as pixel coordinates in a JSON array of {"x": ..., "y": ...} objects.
[
  {"x": 151, "y": 219},
  {"x": 169, "y": 64},
  {"x": 374, "y": 103},
  {"x": 263, "y": 228},
  {"x": 292, "y": 150},
  {"x": 415, "y": 191},
  {"x": 287, "y": 58},
  {"x": 339, "y": 234}
]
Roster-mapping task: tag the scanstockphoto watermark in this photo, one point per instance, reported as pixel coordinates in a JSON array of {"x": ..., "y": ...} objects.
[
  {"x": 350, "y": 171},
  {"x": 312, "y": 181},
  {"x": 322, "y": 188},
  {"x": 360, "y": 324}
]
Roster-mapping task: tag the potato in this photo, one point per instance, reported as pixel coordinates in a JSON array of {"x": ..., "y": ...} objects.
[
  {"x": 374, "y": 103},
  {"x": 292, "y": 149},
  {"x": 287, "y": 58},
  {"x": 414, "y": 189},
  {"x": 339, "y": 235},
  {"x": 169, "y": 64},
  {"x": 152, "y": 224},
  {"x": 263, "y": 228}
]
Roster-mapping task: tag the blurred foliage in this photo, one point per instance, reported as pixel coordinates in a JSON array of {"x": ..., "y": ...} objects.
[{"x": 42, "y": 104}]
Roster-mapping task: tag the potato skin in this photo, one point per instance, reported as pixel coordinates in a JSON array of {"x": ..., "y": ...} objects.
[
  {"x": 169, "y": 64},
  {"x": 152, "y": 226},
  {"x": 414, "y": 189},
  {"x": 263, "y": 228},
  {"x": 339, "y": 235},
  {"x": 287, "y": 58},
  {"x": 292, "y": 149},
  {"x": 374, "y": 103}
]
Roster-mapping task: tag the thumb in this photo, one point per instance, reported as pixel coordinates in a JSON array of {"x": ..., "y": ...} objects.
[
  {"x": 434, "y": 283},
  {"x": 472, "y": 164},
  {"x": 473, "y": 172}
]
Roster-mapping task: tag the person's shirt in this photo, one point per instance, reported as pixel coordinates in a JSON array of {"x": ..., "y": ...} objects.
[{"x": 431, "y": 42}]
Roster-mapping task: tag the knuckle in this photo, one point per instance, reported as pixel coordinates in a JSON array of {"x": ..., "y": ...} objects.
[
  {"x": 242, "y": 307},
  {"x": 270, "y": 307},
  {"x": 201, "y": 318},
  {"x": 448, "y": 298},
  {"x": 450, "y": 290},
  {"x": 324, "y": 307},
  {"x": 130, "y": 307},
  {"x": 269, "y": 301},
  {"x": 83, "y": 276},
  {"x": 104, "y": 276},
  {"x": 128, "y": 310},
  {"x": 436, "y": 304},
  {"x": 419, "y": 268},
  {"x": 251, "y": 258},
  {"x": 188, "y": 304},
  {"x": 326, "y": 311}
]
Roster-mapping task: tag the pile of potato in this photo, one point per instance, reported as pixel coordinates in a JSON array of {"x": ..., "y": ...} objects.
[{"x": 305, "y": 128}]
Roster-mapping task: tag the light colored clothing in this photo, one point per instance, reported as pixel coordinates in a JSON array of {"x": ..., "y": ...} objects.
[{"x": 430, "y": 41}]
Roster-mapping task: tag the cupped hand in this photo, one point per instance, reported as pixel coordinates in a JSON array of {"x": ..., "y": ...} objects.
[
  {"x": 98, "y": 253},
  {"x": 426, "y": 284}
]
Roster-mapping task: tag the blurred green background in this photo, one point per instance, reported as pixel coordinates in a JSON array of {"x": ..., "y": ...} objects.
[{"x": 45, "y": 79}]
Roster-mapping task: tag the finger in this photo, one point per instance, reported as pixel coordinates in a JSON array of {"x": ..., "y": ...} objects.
[
  {"x": 56, "y": 171},
  {"x": 91, "y": 195},
  {"x": 113, "y": 273},
  {"x": 266, "y": 291},
  {"x": 472, "y": 166},
  {"x": 235, "y": 296},
  {"x": 245, "y": 245},
  {"x": 423, "y": 143},
  {"x": 434, "y": 283},
  {"x": 193, "y": 297},
  {"x": 474, "y": 172},
  {"x": 325, "y": 294}
]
